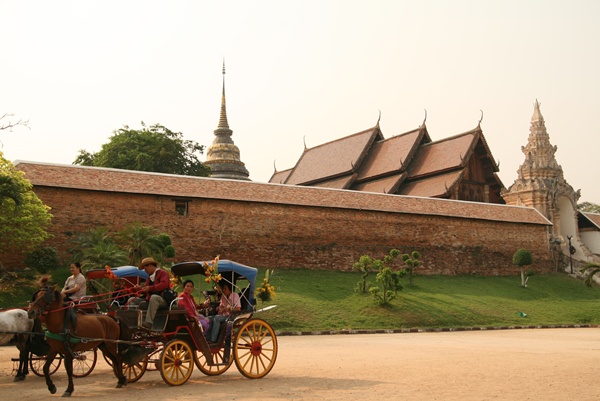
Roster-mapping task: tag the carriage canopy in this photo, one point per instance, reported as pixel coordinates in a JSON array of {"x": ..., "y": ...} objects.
[{"x": 231, "y": 271}]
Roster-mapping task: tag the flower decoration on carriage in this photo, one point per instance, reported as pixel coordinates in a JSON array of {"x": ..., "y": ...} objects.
[
  {"x": 266, "y": 292},
  {"x": 211, "y": 271},
  {"x": 110, "y": 275},
  {"x": 174, "y": 280}
]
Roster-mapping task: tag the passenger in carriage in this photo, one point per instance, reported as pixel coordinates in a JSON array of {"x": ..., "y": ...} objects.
[
  {"x": 230, "y": 302},
  {"x": 75, "y": 286},
  {"x": 188, "y": 303},
  {"x": 157, "y": 281}
]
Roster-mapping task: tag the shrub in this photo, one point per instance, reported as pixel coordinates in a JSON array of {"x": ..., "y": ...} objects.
[{"x": 43, "y": 259}]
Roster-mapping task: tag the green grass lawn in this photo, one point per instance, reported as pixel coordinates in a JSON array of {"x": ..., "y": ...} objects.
[
  {"x": 324, "y": 300},
  {"x": 309, "y": 300}
]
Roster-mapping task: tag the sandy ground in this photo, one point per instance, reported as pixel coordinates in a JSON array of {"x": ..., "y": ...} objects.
[{"x": 534, "y": 364}]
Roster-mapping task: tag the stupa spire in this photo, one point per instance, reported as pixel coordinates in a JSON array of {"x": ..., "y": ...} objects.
[
  {"x": 223, "y": 157},
  {"x": 223, "y": 117}
]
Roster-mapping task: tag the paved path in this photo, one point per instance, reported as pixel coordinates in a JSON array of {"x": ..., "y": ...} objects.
[{"x": 535, "y": 364}]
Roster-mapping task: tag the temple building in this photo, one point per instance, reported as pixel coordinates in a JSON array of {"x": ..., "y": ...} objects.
[
  {"x": 541, "y": 184},
  {"x": 460, "y": 167},
  {"x": 223, "y": 156}
]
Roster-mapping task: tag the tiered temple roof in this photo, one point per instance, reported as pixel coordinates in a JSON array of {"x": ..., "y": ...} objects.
[{"x": 460, "y": 167}]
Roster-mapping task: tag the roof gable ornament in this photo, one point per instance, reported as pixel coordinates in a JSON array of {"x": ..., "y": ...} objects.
[
  {"x": 481, "y": 119},
  {"x": 424, "y": 119},
  {"x": 378, "y": 119},
  {"x": 304, "y": 140}
]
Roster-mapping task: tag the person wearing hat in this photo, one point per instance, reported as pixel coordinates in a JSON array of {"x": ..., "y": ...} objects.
[{"x": 157, "y": 281}]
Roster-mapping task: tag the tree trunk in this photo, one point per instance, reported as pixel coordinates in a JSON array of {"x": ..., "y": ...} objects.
[{"x": 523, "y": 279}]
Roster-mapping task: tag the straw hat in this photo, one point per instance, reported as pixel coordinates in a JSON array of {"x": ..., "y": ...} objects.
[{"x": 146, "y": 262}]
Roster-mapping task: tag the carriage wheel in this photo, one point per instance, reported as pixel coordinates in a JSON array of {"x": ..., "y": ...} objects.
[
  {"x": 255, "y": 349},
  {"x": 36, "y": 364},
  {"x": 218, "y": 356},
  {"x": 84, "y": 362},
  {"x": 176, "y": 362},
  {"x": 135, "y": 372}
]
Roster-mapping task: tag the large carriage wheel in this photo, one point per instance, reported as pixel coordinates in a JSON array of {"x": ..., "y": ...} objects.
[
  {"x": 176, "y": 362},
  {"x": 84, "y": 362},
  {"x": 255, "y": 348},
  {"x": 134, "y": 372},
  {"x": 36, "y": 364},
  {"x": 218, "y": 355}
]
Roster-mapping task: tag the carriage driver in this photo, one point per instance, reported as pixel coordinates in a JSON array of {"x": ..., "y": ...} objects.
[{"x": 158, "y": 280}]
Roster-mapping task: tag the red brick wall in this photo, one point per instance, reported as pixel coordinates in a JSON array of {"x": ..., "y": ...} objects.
[{"x": 279, "y": 235}]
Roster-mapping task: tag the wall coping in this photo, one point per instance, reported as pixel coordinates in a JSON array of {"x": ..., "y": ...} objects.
[{"x": 182, "y": 187}]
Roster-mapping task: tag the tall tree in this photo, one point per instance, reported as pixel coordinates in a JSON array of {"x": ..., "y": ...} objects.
[
  {"x": 140, "y": 241},
  {"x": 24, "y": 219},
  {"x": 589, "y": 207},
  {"x": 154, "y": 148},
  {"x": 96, "y": 248}
]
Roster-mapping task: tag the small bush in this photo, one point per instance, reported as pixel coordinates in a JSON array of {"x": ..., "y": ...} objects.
[{"x": 43, "y": 259}]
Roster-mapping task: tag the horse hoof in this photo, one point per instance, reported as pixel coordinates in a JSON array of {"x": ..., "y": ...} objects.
[
  {"x": 66, "y": 394},
  {"x": 52, "y": 389},
  {"x": 19, "y": 378}
]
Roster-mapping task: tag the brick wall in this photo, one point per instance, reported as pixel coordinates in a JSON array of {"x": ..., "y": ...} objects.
[{"x": 285, "y": 235}]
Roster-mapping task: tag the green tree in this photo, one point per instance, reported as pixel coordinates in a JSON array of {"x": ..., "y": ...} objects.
[
  {"x": 96, "y": 248},
  {"x": 522, "y": 257},
  {"x": 365, "y": 265},
  {"x": 24, "y": 219},
  {"x": 141, "y": 241},
  {"x": 154, "y": 148},
  {"x": 589, "y": 207},
  {"x": 591, "y": 269},
  {"x": 388, "y": 280},
  {"x": 412, "y": 261}
]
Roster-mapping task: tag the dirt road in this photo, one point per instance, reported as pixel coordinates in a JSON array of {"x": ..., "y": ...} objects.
[{"x": 535, "y": 364}]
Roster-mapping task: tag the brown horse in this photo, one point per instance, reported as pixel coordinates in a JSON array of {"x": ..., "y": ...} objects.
[{"x": 65, "y": 332}]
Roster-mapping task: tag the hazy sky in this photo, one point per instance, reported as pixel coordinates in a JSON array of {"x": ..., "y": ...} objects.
[{"x": 303, "y": 71}]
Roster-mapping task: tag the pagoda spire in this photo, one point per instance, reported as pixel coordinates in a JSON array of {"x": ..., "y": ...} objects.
[
  {"x": 540, "y": 182},
  {"x": 223, "y": 156},
  {"x": 223, "y": 117}
]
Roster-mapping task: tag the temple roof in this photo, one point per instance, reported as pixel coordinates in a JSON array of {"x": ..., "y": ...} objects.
[
  {"x": 405, "y": 164},
  {"x": 332, "y": 159},
  {"x": 594, "y": 218}
]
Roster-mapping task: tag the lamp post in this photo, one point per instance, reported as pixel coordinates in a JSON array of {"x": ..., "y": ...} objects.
[{"x": 570, "y": 252}]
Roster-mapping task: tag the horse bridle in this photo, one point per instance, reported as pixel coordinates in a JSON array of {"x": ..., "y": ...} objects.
[{"x": 48, "y": 298}]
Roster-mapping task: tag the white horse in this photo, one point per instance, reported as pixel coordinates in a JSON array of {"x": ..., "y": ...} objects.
[{"x": 16, "y": 323}]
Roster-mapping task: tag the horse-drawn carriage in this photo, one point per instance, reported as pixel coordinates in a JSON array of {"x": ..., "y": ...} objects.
[
  {"x": 248, "y": 341},
  {"x": 108, "y": 287},
  {"x": 175, "y": 343}
]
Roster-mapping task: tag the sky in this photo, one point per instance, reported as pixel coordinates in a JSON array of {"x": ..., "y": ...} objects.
[{"x": 303, "y": 72}]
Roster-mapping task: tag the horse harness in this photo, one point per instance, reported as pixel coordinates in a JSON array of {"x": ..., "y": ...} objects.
[{"x": 70, "y": 320}]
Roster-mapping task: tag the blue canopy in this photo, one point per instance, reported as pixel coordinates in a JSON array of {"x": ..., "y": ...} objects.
[
  {"x": 129, "y": 271},
  {"x": 231, "y": 271},
  {"x": 123, "y": 271}
]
